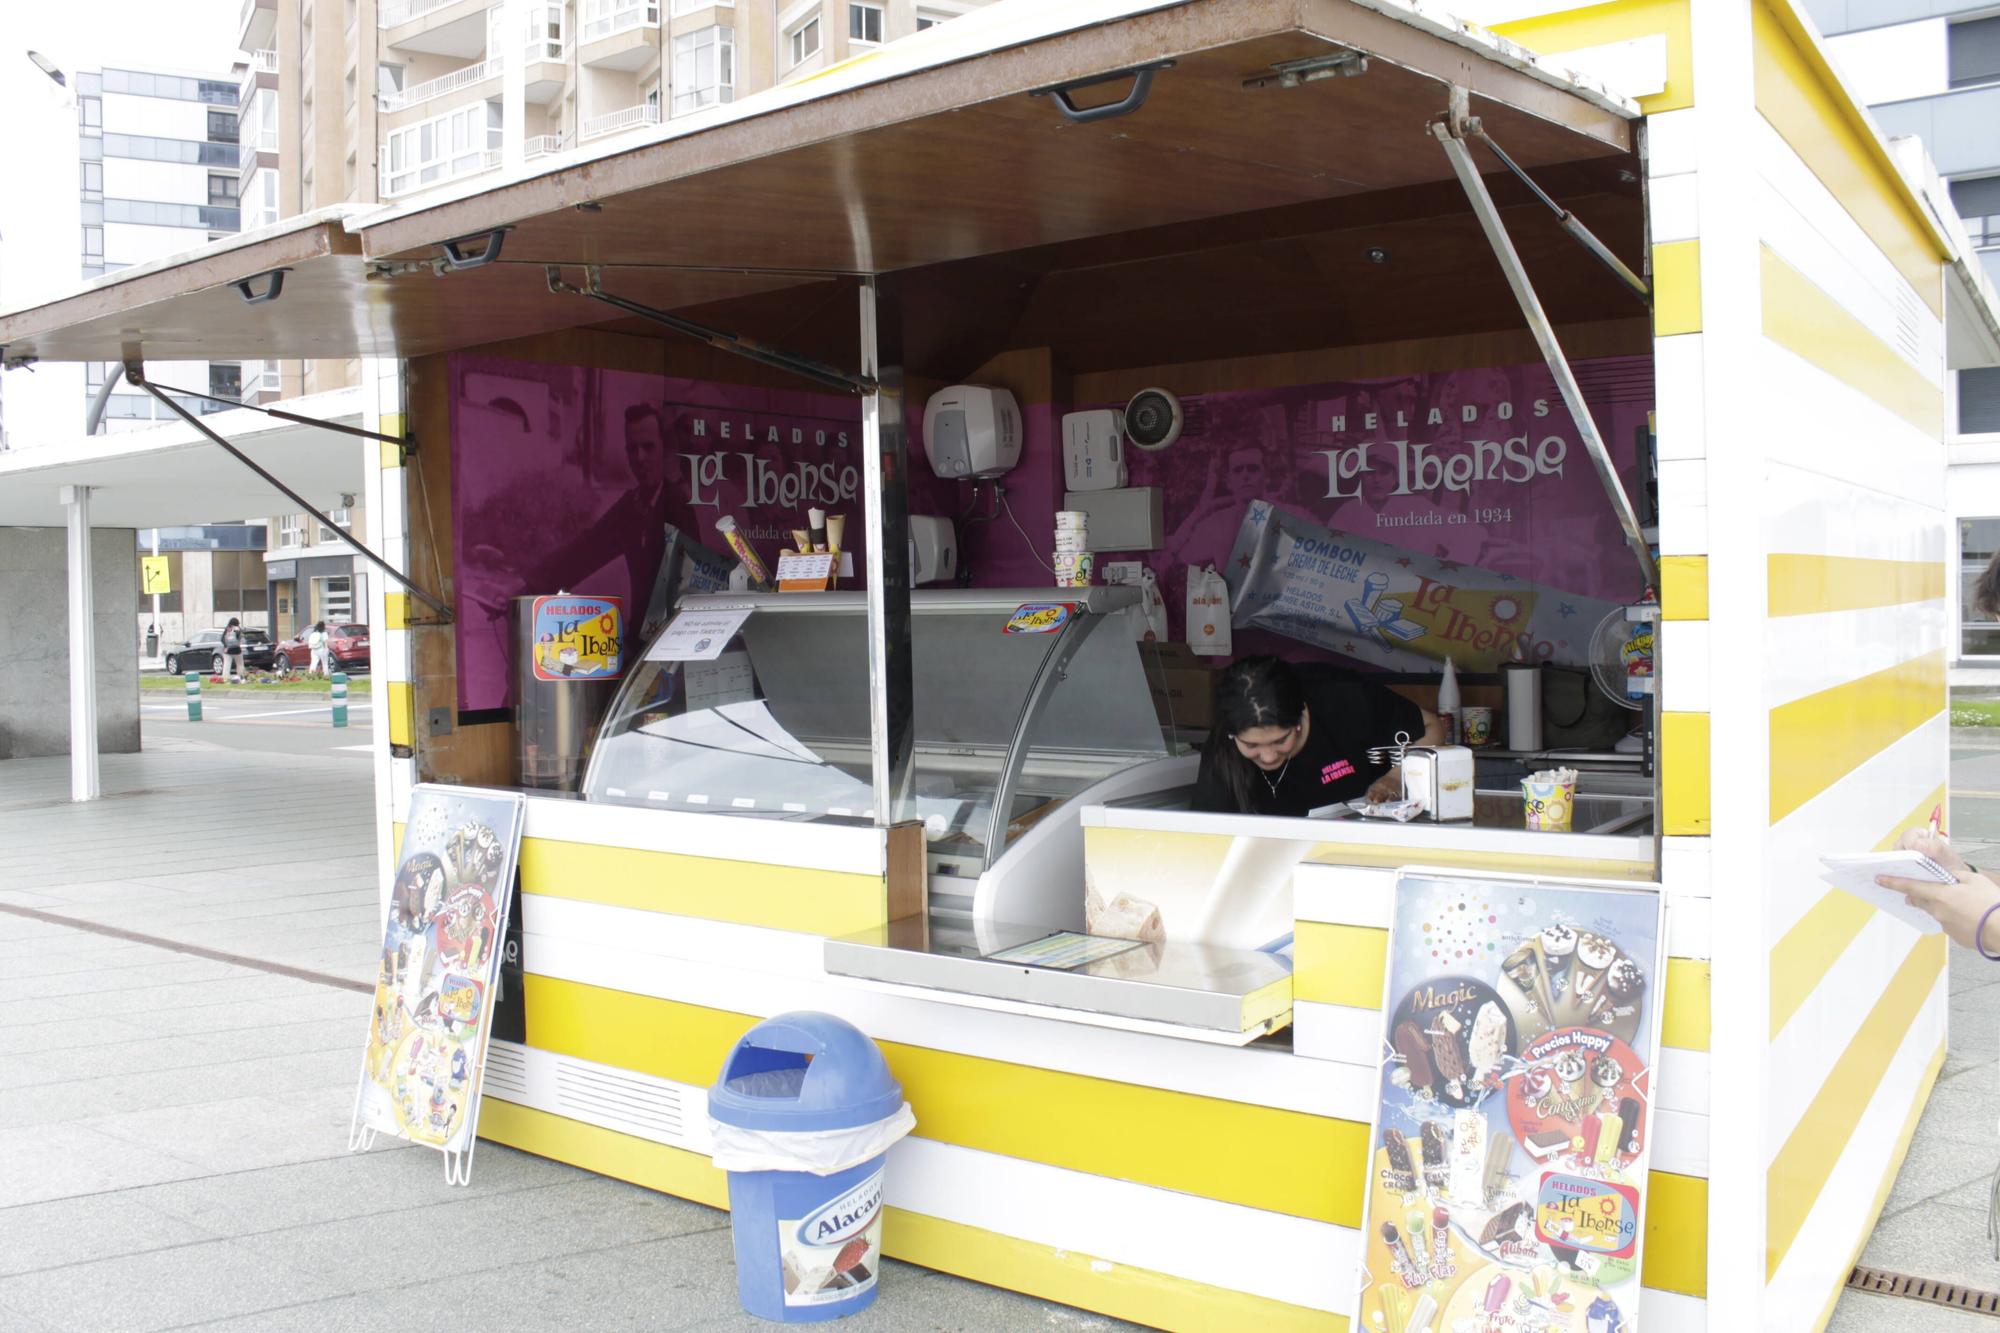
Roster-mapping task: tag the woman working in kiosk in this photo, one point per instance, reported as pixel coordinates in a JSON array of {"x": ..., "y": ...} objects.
[{"x": 1289, "y": 739}]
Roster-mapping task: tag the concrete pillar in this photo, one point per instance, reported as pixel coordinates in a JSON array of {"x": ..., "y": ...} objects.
[{"x": 83, "y": 775}]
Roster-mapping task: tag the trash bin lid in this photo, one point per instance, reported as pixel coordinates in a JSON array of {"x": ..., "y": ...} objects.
[{"x": 804, "y": 1071}]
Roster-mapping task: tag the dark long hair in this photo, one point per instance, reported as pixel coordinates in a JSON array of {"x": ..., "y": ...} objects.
[
  {"x": 1986, "y": 592},
  {"x": 1253, "y": 692}
]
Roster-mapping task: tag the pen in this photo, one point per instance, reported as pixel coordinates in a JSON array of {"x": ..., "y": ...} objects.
[{"x": 1936, "y": 811}]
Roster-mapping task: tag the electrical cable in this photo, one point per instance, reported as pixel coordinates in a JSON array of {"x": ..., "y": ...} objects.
[{"x": 1001, "y": 491}]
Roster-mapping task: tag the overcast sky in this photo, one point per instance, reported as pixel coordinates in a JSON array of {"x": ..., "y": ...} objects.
[{"x": 182, "y": 36}]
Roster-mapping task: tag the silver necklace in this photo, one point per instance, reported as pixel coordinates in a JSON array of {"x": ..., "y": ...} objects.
[{"x": 1271, "y": 782}]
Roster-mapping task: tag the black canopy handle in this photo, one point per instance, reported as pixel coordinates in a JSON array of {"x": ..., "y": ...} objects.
[
  {"x": 251, "y": 296},
  {"x": 1142, "y": 84},
  {"x": 455, "y": 256}
]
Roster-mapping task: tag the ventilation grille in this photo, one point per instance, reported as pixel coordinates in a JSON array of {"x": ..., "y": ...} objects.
[
  {"x": 1910, "y": 314},
  {"x": 506, "y": 1071},
  {"x": 1884, "y": 1283},
  {"x": 606, "y": 1096}
]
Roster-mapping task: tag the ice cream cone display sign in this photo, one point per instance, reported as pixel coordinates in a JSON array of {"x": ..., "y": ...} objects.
[
  {"x": 435, "y": 987},
  {"x": 1506, "y": 1190},
  {"x": 577, "y": 638}
]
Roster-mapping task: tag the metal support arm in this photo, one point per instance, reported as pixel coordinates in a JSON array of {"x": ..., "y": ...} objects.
[
  {"x": 407, "y": 443},
  {"x": 1449, "y": 135},
  {"x": 135, "y": 373},
  {"x": 818, "y": 372},
  {"x": 1582, "y": 234}
]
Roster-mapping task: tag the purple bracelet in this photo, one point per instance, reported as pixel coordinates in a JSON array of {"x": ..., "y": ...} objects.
[{"x": 1979, "y": 934}]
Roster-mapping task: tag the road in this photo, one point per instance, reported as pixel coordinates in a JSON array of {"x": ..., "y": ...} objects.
[{"x": 296, "y": 724}]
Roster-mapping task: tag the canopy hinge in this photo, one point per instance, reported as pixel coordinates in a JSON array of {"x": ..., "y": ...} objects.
[
  {"x": 1450, "y": 131},
  {"x": 818, "y": 372},
  {"x": 1297, "y": 73},
  {"x": 1142, "y": 85},
  {"x": 135, "y": 372}
]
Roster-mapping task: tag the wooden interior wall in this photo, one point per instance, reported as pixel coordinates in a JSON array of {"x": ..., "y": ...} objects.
[
  {"x": 474, "y": 750},
  {"x": 1631, "y": 337}
]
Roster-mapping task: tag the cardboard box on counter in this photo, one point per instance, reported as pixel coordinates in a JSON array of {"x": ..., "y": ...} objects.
[{"x": 1183, "y": 684}]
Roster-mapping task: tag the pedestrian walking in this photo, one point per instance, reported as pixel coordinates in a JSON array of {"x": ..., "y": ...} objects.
[
  {"x": 232, "y": 651},
  {"x": 316, "y": 641}
]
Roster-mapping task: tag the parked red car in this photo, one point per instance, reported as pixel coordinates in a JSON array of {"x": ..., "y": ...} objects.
[{"x": 346, "y": 646}]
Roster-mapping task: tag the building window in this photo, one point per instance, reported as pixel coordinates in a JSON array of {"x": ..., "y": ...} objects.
[
  {"x": 222, "y": 190},
  {"x": 222, "y": 127},
  {"x": 1978, "y": 539},
  {"x": 260, "y": 199},
  {"x": 1979, "y": 401},
  {"x": 225, "y": 380},
  {"x": 930, "y": 18},
  {"x": 1978, "y": 203},
  {"x": 93, "y": 178},
  {"x": 452, "y": 145},
  {"x": 1974, "y": 48},
  {"x": 291, "y": 530},
  {"x": 336, "y": 600},
  {"x": 690, "y": 6},
  {"x": 704, "y": 69},
  {"x": 91, "y": 109},
  {"x": 804, "y": 40},
  {"x": 93, "y": 244},
  {"x": 864, "y": 23}
]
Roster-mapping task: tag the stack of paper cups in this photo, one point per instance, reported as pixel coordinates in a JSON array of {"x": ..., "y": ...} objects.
[{"x": 1073, "y": 563}]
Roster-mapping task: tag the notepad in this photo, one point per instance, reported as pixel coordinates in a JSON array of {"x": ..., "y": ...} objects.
[{"x": 1856, "y": 875}]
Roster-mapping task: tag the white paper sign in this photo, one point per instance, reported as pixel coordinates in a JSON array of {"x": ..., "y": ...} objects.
[
  {"x": 805, "y": 568},
  {"x": 727, "y": 680},
  {"x": 697, "y": 636}
]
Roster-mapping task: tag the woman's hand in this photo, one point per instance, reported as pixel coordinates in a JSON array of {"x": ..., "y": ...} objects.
[
  {"x": 1958, "y": 907},
  {"x": 1388, "y": 787}
]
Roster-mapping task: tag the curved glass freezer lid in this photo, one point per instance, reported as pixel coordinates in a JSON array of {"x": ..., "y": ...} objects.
[{"x": 777, "y": 725}]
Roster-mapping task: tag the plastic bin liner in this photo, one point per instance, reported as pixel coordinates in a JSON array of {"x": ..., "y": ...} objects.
[{"x": 819, "y": 1152}]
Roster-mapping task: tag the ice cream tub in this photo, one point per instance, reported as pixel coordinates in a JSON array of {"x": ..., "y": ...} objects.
[{"x": 1548, "y": 800}]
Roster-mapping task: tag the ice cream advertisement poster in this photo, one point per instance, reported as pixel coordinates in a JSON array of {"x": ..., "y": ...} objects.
[
  {"x": 1507, "y": 1175},
  {"x": 577, "y": 638},
  {"x": 435, "y": 984}
]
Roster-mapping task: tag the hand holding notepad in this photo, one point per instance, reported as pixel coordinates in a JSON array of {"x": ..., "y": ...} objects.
[{"x": 1857, "y": 875}]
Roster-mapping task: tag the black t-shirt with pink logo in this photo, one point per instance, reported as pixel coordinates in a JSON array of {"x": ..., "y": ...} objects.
[{"x": 1350, "y": 716}]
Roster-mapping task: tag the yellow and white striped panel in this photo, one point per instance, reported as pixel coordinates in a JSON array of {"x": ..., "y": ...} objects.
[
  {"x": 1849, "y": 410},
  {"x": 1341, "y": 953},
  {"x": 1040, "y": 1137},
  {"x": 387, "y": 613}
]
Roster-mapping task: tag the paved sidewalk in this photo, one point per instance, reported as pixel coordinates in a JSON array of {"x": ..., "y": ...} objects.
[{"x": 173, "y": 1129}]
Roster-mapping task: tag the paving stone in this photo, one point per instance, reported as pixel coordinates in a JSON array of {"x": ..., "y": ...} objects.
[
  {"x": 1936, "y": 1240},
  {"x": 45, "y": 1162},
  {"x": 160, "y": 1289},
  {"x": 188, "y": 1084},
  {"x": 392, "y": 1175},
  {"x": 80, "y": 1230},
  {"x": 244, "y": 1132}
]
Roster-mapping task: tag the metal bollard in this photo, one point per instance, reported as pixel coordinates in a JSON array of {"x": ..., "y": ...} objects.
[
  {"x": 194, "y": 696},
  {"x": 339, "y": 679}
]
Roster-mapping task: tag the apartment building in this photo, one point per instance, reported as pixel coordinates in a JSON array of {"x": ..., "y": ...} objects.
[
  {"x": 1931, "y": 69},
  {"x": 149, "y": 156}
]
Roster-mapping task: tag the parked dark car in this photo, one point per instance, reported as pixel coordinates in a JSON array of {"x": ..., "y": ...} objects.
[
  {"x": 346, "y": 647},
  {"x": 204, "y": 652}
]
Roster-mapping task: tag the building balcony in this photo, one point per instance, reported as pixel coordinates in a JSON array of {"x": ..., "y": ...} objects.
[
  {"x": 264, "y": 63},
  {"x": 614, "y": 121},
  {"x": 396, "y": 185},
  {"x": 541, "y": 145},
  {"x": 435, "y": 27},
  {"x": 258, "y": 22},
  {"x": 1956, "y": 127},
  {"x": 442, "y": 86},
  {"x": 619, "y": 34}
]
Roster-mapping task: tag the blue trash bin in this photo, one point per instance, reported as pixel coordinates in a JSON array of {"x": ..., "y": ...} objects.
[{"x": 807, "y": 1100}]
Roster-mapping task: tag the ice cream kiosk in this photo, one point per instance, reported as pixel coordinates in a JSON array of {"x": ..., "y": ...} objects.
[{"x": 1421, "y": 339}]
